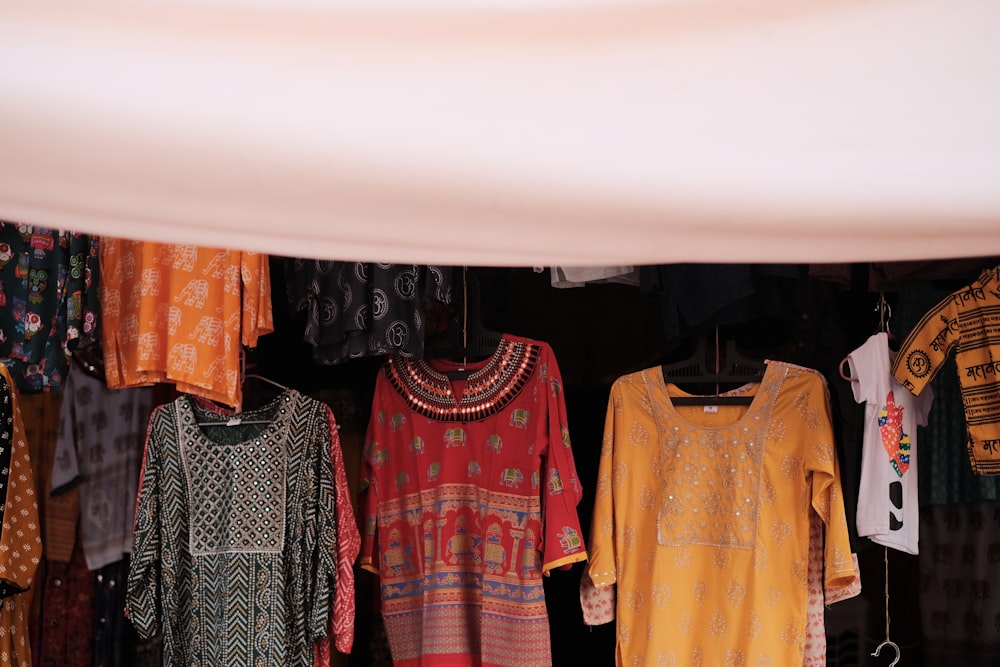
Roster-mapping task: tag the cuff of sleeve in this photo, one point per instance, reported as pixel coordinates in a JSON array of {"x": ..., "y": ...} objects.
[
  {"x": 565, "y": 560},
  {"x": 598, "y": 604},
  {"x": 850, "y": 589}
]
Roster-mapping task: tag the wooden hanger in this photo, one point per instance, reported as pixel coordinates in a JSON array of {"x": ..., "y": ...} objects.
[{"x": 694, "y": 369}]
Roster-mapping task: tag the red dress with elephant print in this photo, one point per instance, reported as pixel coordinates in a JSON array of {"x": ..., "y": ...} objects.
[{"x": 469, "y": 494}]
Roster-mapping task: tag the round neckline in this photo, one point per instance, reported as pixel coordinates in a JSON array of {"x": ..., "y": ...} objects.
[
  {"x": 271, "y": 412},
  {"x": 439, "y": 368},
  {"x": 754, "y": 406},
  {"x": 487, "y": 389}
]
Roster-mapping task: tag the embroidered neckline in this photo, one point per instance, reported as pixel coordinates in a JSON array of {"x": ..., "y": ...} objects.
[
  {"x": 710, "y": 476},
  {"x": 488, "y": 389},
  {"x": 763, "y": 392}
]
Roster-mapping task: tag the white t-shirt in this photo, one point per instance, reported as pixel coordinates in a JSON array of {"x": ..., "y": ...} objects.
[{"x": 888, "y": 509}]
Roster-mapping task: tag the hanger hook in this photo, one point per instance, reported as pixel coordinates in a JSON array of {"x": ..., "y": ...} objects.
[
  {"x": 893, "y": 645},
  {"x": 884, "y": 311}
]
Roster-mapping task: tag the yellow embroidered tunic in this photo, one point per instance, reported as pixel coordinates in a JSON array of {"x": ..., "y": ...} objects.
[{"x": 702, "y": 520}]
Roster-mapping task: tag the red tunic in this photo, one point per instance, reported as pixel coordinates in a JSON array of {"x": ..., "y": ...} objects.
[{"x": 469, "y": 491}]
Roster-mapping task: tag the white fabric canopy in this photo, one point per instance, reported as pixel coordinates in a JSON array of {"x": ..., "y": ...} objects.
[{"x": 523, "y": 132}]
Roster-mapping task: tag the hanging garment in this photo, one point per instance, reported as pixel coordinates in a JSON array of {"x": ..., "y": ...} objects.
[
  {"x": 701, "y": 519},
  {"x": 693, "y": 297},
  {"x": 579, "y": 276},
  {"x": 48, "y": 302},
  {"x": 40, "y": 421},
  {"x": 967, "y": 322},
  {"x": 20, "y": 537},
  {"x": 115, "y": 641},
  {"x": 99, "y": 451},
  {"x": 888, "y": 505},
  {"x": 234, "y": 551},
  {"x": 179, "y": 313},
  {"x": 945, "y": 474},
  {"x": 67, "y": 594},
  {"x": 362, "y": 309},
  {"x": 815, "y": 652},
  {"x": 469, "y": 492},
  {"x": 348, "y": 539}
]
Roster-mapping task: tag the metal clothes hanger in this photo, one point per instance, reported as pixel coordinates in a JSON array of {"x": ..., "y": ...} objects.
[
  {"x": 236, "y": 419},
  {"x": 884, "y": 311},
  {"x": 255, "y": 376}
]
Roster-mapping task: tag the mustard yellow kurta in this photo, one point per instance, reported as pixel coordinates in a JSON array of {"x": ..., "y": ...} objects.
[{"x": 702, "y": 520}]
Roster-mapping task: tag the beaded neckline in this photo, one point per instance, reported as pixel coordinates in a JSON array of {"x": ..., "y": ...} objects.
[{"x": 488, "y": 389}]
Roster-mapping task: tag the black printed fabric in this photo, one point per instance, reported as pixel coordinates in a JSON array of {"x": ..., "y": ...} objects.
[{"x": 360, "y": 309}]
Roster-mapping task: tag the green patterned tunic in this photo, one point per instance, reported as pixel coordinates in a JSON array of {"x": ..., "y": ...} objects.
[{"x": 235, "y": 536}]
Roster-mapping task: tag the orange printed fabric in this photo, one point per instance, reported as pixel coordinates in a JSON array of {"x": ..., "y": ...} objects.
[
  {"x": 179, "y": 313},
  {"x": 20, "y": 535}
]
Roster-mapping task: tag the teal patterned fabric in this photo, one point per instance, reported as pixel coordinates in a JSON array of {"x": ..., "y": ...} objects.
[
  {"x": 235, "y": 540},
  {"x": 48, "y": 302}
]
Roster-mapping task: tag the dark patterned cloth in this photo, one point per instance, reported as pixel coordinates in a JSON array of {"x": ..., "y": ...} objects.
[
  {"x": 359, "y": 309},
  {"x": 6, "y": 434},
  {"x": 235, "y": 540},
  {"x": 694, "y": 297},
  {"x": 48, "y": 302},
  {"x": 116, "y": 643},
  {"x": 959, "y": 593},
  {"x": 67, "y": 612}
]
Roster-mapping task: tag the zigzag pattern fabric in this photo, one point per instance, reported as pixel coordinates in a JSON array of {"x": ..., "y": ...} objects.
[{"x": 235, "y": 549}]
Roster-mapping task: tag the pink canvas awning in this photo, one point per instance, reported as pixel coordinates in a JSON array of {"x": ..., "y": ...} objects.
[{"x": 519, "y": 133}]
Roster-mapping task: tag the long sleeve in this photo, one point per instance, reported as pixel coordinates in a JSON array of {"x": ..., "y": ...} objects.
[
  {"x": 603, "y": 549},
  {"x": 373, "y": 455},
  {"x": 597, "y": 590},
  {"x": 348, "y": 547},
  {"x": 66, "y": 468},
  {"x": 256, "y": 281},
  {"x": 827, "y": 498},
  {"x": 563, "y": 542},
  {"x": 20, "y": 540},
  {"x": 143, "y": 600},
  {"x": 324, "y": 564},
  {"x": 928, "y": 345}
]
